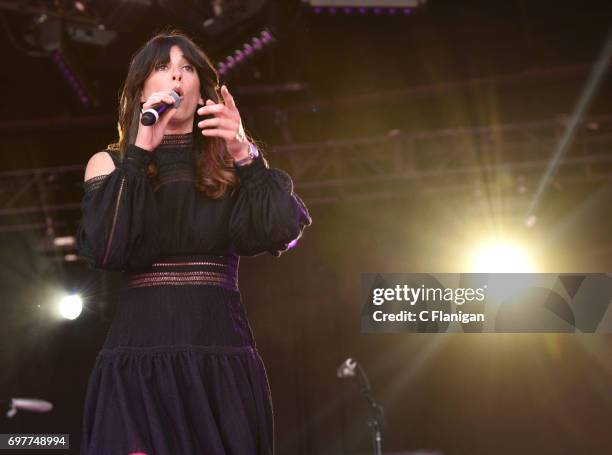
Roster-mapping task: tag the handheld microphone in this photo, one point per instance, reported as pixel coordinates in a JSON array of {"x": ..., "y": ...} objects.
[{"x": 152, "y": 115}]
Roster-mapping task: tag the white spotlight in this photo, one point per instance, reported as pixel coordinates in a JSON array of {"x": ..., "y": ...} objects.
[
  {"x": 501, "y": 257},
  {"x": 70, "y": 306}
]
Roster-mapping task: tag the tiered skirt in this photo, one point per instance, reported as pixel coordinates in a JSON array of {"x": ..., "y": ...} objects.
[{"x": 179, "y": 373}]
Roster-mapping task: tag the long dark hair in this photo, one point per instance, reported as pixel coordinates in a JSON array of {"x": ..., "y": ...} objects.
[{"x": 215, "y": 173}]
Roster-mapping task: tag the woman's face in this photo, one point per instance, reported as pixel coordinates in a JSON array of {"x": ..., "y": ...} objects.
[{"x": 178, "y": 73}]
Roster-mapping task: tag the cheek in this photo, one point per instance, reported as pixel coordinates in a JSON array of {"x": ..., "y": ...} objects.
[
  {"x": 195, "y": 84},
  {"x": 152, "y": 84}
]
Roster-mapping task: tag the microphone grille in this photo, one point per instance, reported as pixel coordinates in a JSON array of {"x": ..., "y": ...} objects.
[{"x": 177, "y": 98}]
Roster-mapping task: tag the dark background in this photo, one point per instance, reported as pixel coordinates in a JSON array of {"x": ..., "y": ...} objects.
[{"x": 449, "y": 65}]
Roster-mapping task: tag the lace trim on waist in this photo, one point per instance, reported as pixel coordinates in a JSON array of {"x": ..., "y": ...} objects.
[{"x": 199, "y": 270}]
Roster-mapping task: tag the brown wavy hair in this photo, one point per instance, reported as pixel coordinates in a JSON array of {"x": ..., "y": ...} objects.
[{"x": 215, "y": 171}]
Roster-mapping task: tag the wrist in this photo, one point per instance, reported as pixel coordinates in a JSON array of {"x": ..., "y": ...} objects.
[
  {"x": 247, "y": 156},
  {"x": 146, "y": 147},
  {"x": 137, "y": 157}
]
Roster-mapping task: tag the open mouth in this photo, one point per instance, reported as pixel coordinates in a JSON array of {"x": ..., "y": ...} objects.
[{"x": 179, "y": 91}]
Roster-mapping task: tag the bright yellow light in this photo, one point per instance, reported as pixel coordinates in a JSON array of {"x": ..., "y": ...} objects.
[
  {"x": 70, "y": 306},
  {"x": 501, "y": 257}
]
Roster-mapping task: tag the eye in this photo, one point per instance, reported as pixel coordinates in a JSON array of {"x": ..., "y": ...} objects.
[
  {"x": 189, "y": 67},
  {"x": 161, "y": 65}
]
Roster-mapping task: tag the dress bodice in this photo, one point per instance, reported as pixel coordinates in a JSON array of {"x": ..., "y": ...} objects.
[{"x": 128, "y": 221}]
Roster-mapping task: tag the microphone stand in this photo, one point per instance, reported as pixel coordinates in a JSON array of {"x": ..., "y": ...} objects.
[{"x": 377, "y": 413}]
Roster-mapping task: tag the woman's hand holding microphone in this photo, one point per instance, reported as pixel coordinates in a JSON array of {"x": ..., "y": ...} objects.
[{"x": 149, "y": 137}]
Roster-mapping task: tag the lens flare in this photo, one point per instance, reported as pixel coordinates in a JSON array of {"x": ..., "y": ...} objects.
[
  {"x": 70, "y": 306},
  {"x": 501, "y": 257}
]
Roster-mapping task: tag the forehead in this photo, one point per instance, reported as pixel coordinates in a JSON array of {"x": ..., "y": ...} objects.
[{"x": 176, "y": 53}]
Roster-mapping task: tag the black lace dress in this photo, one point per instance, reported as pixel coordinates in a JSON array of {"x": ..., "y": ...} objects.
[{"x": 179, "y": 372}]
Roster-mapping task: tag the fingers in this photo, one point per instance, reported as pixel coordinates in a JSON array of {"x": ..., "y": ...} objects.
[
  {"x": 156, "y": 98},
  {"x": 219, "y": 122},
  {"x": 226, "y": 121},
  {"x": 216, "y": 109},
  {"x": 167, "y": 117},
  {"x": 228, "y": 98},
  {"x": 220, "y": 127},
  {"x": 225, "y": 134}
]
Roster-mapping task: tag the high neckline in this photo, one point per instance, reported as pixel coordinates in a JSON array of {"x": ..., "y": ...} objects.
[{"x": 181, "y": 140}]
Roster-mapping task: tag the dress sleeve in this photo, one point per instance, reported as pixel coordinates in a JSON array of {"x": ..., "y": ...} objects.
[
  {"x": 119, "y": 228},
  {"x": 267, "y": 214}
]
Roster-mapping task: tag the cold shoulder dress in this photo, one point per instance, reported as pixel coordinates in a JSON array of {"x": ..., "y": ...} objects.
[{"x": 179, "y": 372}]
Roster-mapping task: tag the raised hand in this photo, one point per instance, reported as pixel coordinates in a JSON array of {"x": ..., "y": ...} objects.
[{"x": 226, "y": 124}]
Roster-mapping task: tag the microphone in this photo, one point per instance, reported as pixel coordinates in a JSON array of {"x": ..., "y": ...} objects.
[
  {"x": 151, "y": 115},
  {"x": 347, "y": 368}
]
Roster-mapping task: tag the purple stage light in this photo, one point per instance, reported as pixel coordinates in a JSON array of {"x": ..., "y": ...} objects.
[
  {"x": 332, "y": 11},
  {"x": 266, "y": 37},
  {"x": 363, "y": 10},
  {"x": 318, "y": 10},
  {"x": 407, "y": 11},
  {"x": 392, "y": 11},
  {"x": 377, "y": 11},
  {"x": 248, "y": 49},
  {"x": 70, "y": 77},
  {"x": 348, "y": 10}
]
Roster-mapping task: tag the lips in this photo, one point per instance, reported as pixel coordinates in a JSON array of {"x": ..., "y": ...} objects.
[{"x": 179, "y": 91}]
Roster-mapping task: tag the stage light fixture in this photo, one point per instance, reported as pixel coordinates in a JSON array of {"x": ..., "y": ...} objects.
[
  {"x": 53, "y": 37},
  {"x": 378, "y": 8},
  {"x": 228, "y": 14},
  {"x": 76, "y": 83},
  {"x": 366, "y": 3},
  {"x": 248, "y": 50}
]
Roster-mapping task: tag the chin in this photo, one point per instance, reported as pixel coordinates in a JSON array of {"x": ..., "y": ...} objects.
[{"x": 180, "y": 121}]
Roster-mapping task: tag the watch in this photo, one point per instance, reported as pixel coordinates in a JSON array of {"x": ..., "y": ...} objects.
[{"x": 253, "y": 153}]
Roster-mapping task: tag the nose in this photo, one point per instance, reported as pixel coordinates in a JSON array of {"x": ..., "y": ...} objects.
[{"x": 177, "y": 75}]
